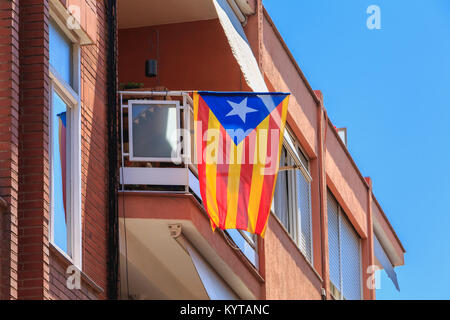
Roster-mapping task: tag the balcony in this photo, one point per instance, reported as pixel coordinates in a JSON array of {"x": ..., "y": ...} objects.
[
  {"x": 158, "y": 169},
  {"x": 197, "y": 44}
]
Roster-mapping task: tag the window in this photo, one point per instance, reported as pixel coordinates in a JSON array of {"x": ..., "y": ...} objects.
[
  {"x": 292, "y": 198},
  {"x": 282, "y": 198},
  {"x": 153, "y": 130},
  {"x": 303, "y": 193},
  {"x": 344, "y": 253},
  {"x": 61, "y": 58},
  {"x": 64, "y": 140}
]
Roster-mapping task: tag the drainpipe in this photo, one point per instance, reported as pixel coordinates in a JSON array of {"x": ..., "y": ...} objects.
[
  {"x": 113, "y": 173},
  {"x": 370, "y": 294},
  {"x": 321, "y": 115}
]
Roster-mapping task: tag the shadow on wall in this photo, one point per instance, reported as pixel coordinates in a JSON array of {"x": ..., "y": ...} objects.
[
  {"x": 94, "y": 154},
  {"x": 193, "y": 56}
]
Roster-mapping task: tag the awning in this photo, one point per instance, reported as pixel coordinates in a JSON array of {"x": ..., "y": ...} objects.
[
  {"x": 385, "y": 262},
  {"x": 215, "y": 286},
  {"x": 240, "y": 46}
]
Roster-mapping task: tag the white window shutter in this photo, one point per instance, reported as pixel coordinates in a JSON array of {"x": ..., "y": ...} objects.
[
  {"x": 350, "y": 260},
  {"x": 304, "y": 215},
  {"x": 333, "y": 242}
]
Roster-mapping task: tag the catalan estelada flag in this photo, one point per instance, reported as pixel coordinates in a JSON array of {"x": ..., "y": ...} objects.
[
  {"x": 62, "y": 154},
  {"x": 238, "y": 139}
]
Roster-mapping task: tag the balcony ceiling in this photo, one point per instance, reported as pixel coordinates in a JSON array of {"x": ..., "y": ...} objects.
[
  {"x": 139, "y": 13},
  {"x": 158, "y": 268}
]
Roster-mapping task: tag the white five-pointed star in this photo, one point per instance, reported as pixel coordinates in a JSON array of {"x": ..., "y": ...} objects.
[{"x": 240, "y": 109}]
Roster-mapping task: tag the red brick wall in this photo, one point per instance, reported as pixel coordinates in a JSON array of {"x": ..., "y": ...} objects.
[
  {"x": 94, "y": 161},
  {"x": 94, "y": 164},
  {"x": 24, "y": 157},
  {"x": 9, "y": 132},
  {"x": 88, "y": 290},
  {"x": 33, "y": 151}
]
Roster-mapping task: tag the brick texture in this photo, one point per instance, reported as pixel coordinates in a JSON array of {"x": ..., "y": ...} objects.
[
  {"x": 94, "y": 178},
  {"x": 33, "y": 151},
  {"x": 9, "y": 133},
  {"x": 40, "y": 270}
]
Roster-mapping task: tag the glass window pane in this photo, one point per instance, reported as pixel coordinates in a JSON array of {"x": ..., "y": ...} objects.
[
  {"x": 60, "y": 51},
  {"x": 245, "y": 247},
  {"x": 154, "y": 130},
  {"x": 59, "y": 170},
  {"x": 281, "y": 199}
]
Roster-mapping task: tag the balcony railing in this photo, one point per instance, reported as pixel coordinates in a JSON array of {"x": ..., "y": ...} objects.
[{"x": 157, "y": 150}]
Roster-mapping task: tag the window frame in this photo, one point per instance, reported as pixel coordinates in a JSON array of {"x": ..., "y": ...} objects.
[
  {"x": 71, "y": 97},
  {"x": 306, "y": 177},
  {"x": 170, "y": 104},
  {"x": 251, "y": 240},
  {"x": 288, "y": 191},
  {"x": 292, "y": 147}
]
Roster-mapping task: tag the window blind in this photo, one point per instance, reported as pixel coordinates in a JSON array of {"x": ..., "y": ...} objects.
[
  {"x": 333, "y": 242},
  {"x": 292, "y": 203},
  {"x": 304, "y": 215},
  {"x": 344, "y": 252},
  {"x": 350, "y": 260}
]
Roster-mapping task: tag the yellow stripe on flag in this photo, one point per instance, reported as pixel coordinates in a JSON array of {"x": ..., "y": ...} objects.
[
  {"x": 212, "y": 152},
  {"x": 234, "y": 177},
  {"x": 196, "y": 132},
  {"x": 257, "y": 175},
  {"x": 283, "y": 123}
]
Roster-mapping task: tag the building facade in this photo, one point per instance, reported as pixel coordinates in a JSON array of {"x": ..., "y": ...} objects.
[{"x": 95, "y": 98}]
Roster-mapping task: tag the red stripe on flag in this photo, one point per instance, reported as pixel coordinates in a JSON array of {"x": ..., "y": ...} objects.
[
  {"x": 203, "y": 118},
  {"x": 246, "y": 181},
  {"x": 269, "y": 179},
  {"x": 222, "y": 175}
]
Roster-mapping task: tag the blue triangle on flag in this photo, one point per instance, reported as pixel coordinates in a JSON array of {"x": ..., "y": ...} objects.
[{"x": 240, "y": 113}]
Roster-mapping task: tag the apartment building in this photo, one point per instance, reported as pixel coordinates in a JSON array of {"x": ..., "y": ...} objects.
[{"x": 96, "y": 98}]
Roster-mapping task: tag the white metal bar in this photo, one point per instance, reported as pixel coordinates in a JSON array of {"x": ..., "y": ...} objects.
[
  {"x": 186, "y": 137},
  {"x": 154, "y": 176},
  {"x": 121, "y": 136},
  {"x": 155, "y": 93}
]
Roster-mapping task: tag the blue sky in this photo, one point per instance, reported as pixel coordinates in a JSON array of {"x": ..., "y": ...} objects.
[{"x": 391, "y": 89}]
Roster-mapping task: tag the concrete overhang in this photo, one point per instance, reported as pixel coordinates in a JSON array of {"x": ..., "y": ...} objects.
[
  {"x": 157, "y": 267},
  {"x": 140, "y": 13}
]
